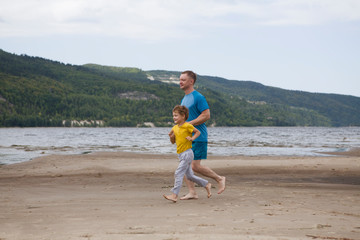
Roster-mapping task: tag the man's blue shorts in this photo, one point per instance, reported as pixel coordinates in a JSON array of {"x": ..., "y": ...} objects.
[{"x": 200, "y": 150}]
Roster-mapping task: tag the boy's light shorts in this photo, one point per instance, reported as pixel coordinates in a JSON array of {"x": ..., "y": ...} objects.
[{"x": 200, "y": 150}]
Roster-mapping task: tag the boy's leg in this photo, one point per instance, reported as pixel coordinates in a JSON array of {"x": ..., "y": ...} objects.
[
  {"x": 192, "y": 193},
  {"x": 200, "y": 152},
  {"x": 190, "y": 185},
  {"x": 208, "y": 172},
  {"x": 179, "y": 176},
  {"x": 200, "y": 181},
  {"x": 184, "y": 165},
  {"x": 191, "y": 176}
]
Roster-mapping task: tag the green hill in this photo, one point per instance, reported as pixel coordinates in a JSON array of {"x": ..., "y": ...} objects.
[
  {"x": 342, "y": 110},
  {"x": 40, "y": 92}
]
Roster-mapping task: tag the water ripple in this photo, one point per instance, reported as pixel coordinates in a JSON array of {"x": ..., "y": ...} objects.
[{"x": 22, "y": 144}]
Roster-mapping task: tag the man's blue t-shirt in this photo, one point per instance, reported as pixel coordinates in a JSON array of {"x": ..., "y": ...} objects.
[{"x": 196, "y": 103}]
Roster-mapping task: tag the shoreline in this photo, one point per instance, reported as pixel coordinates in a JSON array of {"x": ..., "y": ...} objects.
[
  {"x": 118, "y": 195},
  {"x": 23, "y": 144},
  {"x": 355, "y": 151}
]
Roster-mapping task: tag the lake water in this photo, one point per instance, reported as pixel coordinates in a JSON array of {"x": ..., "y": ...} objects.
[{"x": 22, "y": 144}]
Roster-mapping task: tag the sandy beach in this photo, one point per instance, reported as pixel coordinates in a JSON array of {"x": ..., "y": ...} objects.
[{"x": 119, "y": 196}]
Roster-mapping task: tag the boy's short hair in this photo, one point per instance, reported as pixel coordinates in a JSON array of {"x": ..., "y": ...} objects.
[
  {"x": 182, "y": 110},
  {"x": 191, "y": 74}
]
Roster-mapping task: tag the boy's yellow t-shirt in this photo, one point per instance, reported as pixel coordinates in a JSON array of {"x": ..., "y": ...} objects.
[{"x": 182, "y": 144}]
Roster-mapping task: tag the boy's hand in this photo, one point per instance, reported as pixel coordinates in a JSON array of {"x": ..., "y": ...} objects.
[
  {"x": 172, "y": 136},
  {"x": 189, "y": 138}
]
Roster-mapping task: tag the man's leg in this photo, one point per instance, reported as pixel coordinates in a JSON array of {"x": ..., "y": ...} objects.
[{"x": 200, "y": 153}]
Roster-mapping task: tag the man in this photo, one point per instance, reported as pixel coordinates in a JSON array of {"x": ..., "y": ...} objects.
[{"x": 199, "y": 113}]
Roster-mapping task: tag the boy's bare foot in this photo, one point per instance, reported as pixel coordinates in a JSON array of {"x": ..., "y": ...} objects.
[
  {"x": 221, "y": 185},
  {"x": 171, "y": 198},
  {"x": 190, "y": 196},
  {"x": 208, "y": 189}
]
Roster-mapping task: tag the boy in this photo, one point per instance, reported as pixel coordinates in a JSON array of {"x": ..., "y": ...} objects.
[{"x": 182, "y": 135}]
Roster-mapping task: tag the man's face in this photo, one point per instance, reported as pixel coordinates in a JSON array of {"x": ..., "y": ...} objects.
[{"x": 185, "y": 81}]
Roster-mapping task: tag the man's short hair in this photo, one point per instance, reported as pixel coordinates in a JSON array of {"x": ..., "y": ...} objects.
[{"x": 191, "y": 74}]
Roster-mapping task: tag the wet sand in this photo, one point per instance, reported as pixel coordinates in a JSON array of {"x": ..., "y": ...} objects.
[{"x": 119, "y": 196}]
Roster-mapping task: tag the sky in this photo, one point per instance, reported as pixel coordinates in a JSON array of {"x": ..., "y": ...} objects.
[{"x": 306, "y": 45}]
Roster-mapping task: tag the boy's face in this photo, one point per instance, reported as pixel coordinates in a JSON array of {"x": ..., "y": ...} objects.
[{"x": 178, "y": 118}]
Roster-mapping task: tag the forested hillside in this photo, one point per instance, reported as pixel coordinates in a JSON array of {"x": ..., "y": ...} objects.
[
  {"x": 40, "y": 92},
  {"x": 342, "y": 110}
]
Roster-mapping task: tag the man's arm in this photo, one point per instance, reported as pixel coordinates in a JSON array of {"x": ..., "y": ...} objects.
[{"x": 203, "y": 117}]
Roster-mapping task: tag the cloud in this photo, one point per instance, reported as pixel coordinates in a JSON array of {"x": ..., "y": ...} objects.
[
  {"x": 311, "y": 12},
  {"x": 158, "y": 19}
]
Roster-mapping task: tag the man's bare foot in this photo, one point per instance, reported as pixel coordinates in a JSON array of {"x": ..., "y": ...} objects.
[
  {"x": 171, "y": 197},
  {"x": 221, "y": 185},
  {"x": 190, "y": 196},
  {"x": 208, "y": 189}
]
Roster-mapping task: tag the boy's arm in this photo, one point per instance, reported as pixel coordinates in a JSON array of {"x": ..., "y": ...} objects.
[
  {"x": 172, "y": 136},
  {"x": 195, "y": 136}
]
